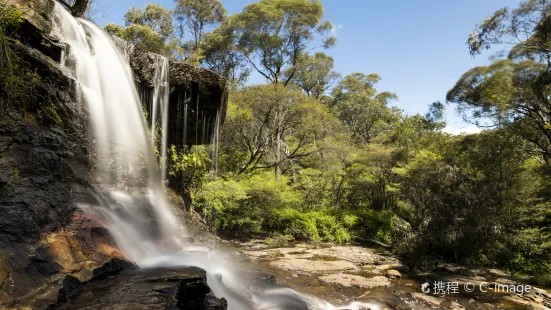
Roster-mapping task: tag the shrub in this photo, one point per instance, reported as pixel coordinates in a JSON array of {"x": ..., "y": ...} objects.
[
  {"x": 329, "y": 228},
  {"x": 264, "y": 204},
  {"x": 240, "y": 208},
  {"x": 292, "y": 222},
  {"x": 372, "y": 224},
  {"x": 189, "y": 168}
]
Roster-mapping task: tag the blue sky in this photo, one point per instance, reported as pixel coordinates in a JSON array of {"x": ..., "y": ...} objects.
[{"x": 417, "y": 47}]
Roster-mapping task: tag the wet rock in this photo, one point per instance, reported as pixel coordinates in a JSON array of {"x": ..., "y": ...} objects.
[
  {"x": 393, "y": 274},
  {"x": 435, "y": 301},
  {"x": 206, "y": 90},
  {"x": 114, "y": 266},
  {"x": 189, "y": 240},
  {"x": 504, "y": 281},
  {"x": 120, "y": 286},
  {"x": 354, "y": 254},
  {"x": 371, "y": 270}
]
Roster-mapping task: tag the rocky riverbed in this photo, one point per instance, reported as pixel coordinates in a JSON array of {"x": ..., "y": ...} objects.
[{"x": 344, "y": 274}]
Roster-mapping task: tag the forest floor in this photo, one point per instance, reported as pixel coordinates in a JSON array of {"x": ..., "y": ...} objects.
[{"x": 341, "y": 274}]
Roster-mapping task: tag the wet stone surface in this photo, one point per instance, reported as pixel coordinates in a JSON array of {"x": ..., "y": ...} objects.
[
  {"x": 121, "y": 285},
  {"x": 342, "y": 274}
]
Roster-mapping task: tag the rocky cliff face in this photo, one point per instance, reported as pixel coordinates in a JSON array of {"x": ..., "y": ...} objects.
[
  {"x": 45, "y": 174},
  {"x": 199, "y": 92}
]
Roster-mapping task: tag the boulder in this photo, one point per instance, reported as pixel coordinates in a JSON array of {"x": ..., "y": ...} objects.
[
  {"x": 393, "y": 274},
  {"x": 119, "y": 284}
]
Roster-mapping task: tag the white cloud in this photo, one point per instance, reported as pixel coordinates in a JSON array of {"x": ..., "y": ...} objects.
[{"x": 465, "y": 130}]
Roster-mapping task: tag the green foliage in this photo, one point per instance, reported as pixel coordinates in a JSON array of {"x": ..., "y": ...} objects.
[
  {"x": 292, "y": 222},
  {"x": 198, "y": 15},
  {"x": 240, "y": 208},
  {"x": 189, "y": 168},
  {"x": 264, "y": 204},
  {"x": 329, "y": 227},
  {"x": 150, "y": 29},
  {"x": 272, "y": 34},
  {"x": 272, "y": 127},
  {"x": 512, "y": 90},
  {"x": 50, "y": 112},
  {"x": 362, "y": 109},
  {"x": 10, "y": 17},
  {"x": 223, "y": 57},
  {"x": 18, "y": 81},
  {"x": 314, "y": 74}
]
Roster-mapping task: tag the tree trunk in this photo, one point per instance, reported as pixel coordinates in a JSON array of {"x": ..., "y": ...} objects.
[{"x": 79, "y": 7}]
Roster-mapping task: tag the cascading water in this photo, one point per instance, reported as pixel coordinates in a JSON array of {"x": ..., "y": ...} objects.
[
  {"x": 215, "y": 143},
  {"x": 126, "y": 164},
  {"x": 160, "y": 104},
  {"x": 124, "y": 155}
]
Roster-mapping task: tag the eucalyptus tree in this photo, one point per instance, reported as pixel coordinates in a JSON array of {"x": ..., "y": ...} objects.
[
  {"x": 253, "y": 126},
  {"x": 361, "y": 108},
  {"x": 150, "y": 29},
  {"x": 515, "y": 90},
  {"x": 222, "y": 56},
  {"x": 197, "y": 16},
  {"x": 314, "y": 74},
  {"x": 272, "y": 34}
]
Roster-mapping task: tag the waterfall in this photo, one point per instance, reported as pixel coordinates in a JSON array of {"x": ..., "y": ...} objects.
[
  {"x": 215, "y": 142},
  {"x": 160, "y": 104},
  {"x": 124, "y": 156},
  {"x": 125, "y": 164}
]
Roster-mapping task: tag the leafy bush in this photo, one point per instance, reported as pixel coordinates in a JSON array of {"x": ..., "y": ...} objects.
[
  {"x": 241, "y": 208},
  {"x": 264, "y": 204},
  {"x": 373, "y": 224},
  {"x": 190, "y": 169},
  {"x": 292, "y": 222},
  {"x": 329, "y": 228}
]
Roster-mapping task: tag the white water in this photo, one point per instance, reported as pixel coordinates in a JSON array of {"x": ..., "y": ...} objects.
[
  {"x": 126, "y": 163},
  {"x": 160, "y": 104},
  {"x": 215, "y": 144}
]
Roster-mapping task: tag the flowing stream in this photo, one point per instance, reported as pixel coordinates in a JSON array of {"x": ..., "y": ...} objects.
[{"x": 125, "y": 161}]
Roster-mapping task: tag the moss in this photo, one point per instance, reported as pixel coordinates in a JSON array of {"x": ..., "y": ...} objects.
[
  {"x": 16, "y": 175},
  {"x": 29, "y": 118},
  {"x": 5, "y": 189}
]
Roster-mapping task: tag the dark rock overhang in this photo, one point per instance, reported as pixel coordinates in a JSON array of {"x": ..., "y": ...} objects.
[{"x": 198, "y": 97}]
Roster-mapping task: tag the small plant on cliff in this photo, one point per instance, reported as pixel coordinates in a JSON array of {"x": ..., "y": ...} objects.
[
  {"x": 191, "y": 167},
  {"x": 10, "y": 18},
  {"x": 5, "y": 189},
  {"x": 50, "y": 111},
  {"x": 18, "y": 82}
]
